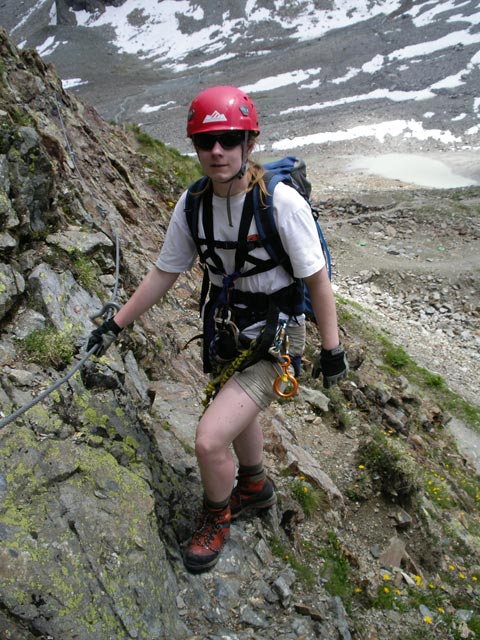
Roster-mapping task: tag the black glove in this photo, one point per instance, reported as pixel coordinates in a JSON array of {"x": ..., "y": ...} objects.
[
  {"x": 333, "y": 365},
  {"x": 103, "y": 336}
]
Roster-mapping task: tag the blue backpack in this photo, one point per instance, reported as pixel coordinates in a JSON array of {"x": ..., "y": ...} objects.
[{"x": 292, "y": 171}]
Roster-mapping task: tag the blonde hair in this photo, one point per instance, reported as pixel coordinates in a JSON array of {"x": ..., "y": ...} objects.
[{"x": 255, "y": 173}]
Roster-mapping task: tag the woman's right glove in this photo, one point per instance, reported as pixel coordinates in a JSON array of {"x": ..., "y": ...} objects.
[
  {"x": 103, "y": 337},
  {"x": 333, "y": 365}
]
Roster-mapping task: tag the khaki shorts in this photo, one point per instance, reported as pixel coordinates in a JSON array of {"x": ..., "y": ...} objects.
[{"x": 257, "y": 380}]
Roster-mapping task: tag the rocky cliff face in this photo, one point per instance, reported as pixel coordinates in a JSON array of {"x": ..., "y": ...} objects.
[
  {"x": 72, "y": 513},
  {"x": 98, "y": 484}
]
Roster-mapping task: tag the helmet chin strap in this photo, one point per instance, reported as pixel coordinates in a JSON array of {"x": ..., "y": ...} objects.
[{"x": 243, "y": 168}]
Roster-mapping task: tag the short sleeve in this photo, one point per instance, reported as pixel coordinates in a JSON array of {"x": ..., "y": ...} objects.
[
  {"x": 298, "y": 232},
  {"x": 178, "y": 252}
]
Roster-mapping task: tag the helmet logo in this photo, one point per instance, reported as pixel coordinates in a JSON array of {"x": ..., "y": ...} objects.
[
  {"x": 216, "y": 116},
  {"x": 244, "y": 109}
]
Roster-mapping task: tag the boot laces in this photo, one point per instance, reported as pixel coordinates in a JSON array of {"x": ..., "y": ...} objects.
[{"x": 206, "y": 528}]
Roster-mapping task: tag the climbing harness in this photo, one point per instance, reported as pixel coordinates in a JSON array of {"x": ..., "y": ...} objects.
[
  {"x": 226, "y": 372},
  {"x": 224, "y": 345},
  {"x": 285, "y": 384}
]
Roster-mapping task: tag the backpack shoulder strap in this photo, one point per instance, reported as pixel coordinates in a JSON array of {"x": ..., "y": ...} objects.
[
  {"x": 200, "y": 192},
  {"x": 195, "y": 193},
  {"x": 267, "y": 228},
  {"x": 265, "y": 221},
  {"x": 192, "y": 205}
]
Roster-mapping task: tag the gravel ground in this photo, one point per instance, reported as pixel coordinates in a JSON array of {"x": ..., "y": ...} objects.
[{"x": 411, "y": 256}]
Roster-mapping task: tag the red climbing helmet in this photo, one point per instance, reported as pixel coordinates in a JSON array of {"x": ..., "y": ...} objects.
[{"x": 220, "y": 109}]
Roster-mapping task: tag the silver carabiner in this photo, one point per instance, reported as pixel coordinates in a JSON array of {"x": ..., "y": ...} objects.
[{"x": 106, "y": 312}]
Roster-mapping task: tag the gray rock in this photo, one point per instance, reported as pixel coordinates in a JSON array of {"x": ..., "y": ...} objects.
[
  {"x": 62, "y": 300},
  {"x": 75, "y": 239},
  {"x": 315, "y": 398},
  {"x": 12, "y": 285},
  {"x": 253, "y": 618},
  {"x": 336, "y": 605}
]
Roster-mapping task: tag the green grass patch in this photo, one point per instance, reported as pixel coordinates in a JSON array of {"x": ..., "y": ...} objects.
[
  {"x": 434, "y": 380},
  {"x": 397, "y": 361},
  {"x": 168, "y": 171},
  {"x": 310, "y": 498},
  {"x": 389, "y": 460},
  {"x": 84, "y": 270},
  {"x": 49, "y": 347},
  {"x": 305, "y": 573},
  {"x": 336, "y": 571},
  {"x": 396, "y": 357},
  {"x": 389, "y": 597}
]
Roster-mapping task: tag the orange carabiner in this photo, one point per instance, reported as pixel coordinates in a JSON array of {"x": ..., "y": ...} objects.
[{"x": 285, "y": 378}]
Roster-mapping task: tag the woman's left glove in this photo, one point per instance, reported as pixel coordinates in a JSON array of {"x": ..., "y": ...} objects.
[
  {"x": 333, "y": 365},
  {"x": 103, "y": 336}
]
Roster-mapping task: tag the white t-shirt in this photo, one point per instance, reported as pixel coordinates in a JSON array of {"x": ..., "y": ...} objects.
[{"x": 295, "y": 225}]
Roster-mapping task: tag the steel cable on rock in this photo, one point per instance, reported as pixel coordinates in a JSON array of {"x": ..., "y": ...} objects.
[
  {"x": 44, "y": 394},
  {"x": 105, "y": 312}
]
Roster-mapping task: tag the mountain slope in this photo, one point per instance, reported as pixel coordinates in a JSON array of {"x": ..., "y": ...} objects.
[
  {"x": 376, "y": 530},
  {"x": 341, "y": 75}
]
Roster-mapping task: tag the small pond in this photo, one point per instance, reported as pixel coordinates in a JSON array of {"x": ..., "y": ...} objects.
[{"x": 415, "y": 169}]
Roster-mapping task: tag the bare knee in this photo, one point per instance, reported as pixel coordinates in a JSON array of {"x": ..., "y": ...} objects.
[{"x": 210, "y": 449}]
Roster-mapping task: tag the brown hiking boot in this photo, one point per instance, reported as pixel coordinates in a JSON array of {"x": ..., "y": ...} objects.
[
  {"x": 251, "y": 496},
  {"x": 211, "y": 533}
]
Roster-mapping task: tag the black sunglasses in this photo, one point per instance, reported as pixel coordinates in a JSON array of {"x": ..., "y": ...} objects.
[{"x": 228, "y": 140}]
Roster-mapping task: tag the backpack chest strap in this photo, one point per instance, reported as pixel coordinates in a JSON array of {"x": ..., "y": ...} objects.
[{"x": 243, "y": 246}]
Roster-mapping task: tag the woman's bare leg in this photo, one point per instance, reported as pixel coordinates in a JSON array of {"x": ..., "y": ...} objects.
[
  {"x": 248, "y": 445},
  {"x": 231, "y": 418}
]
